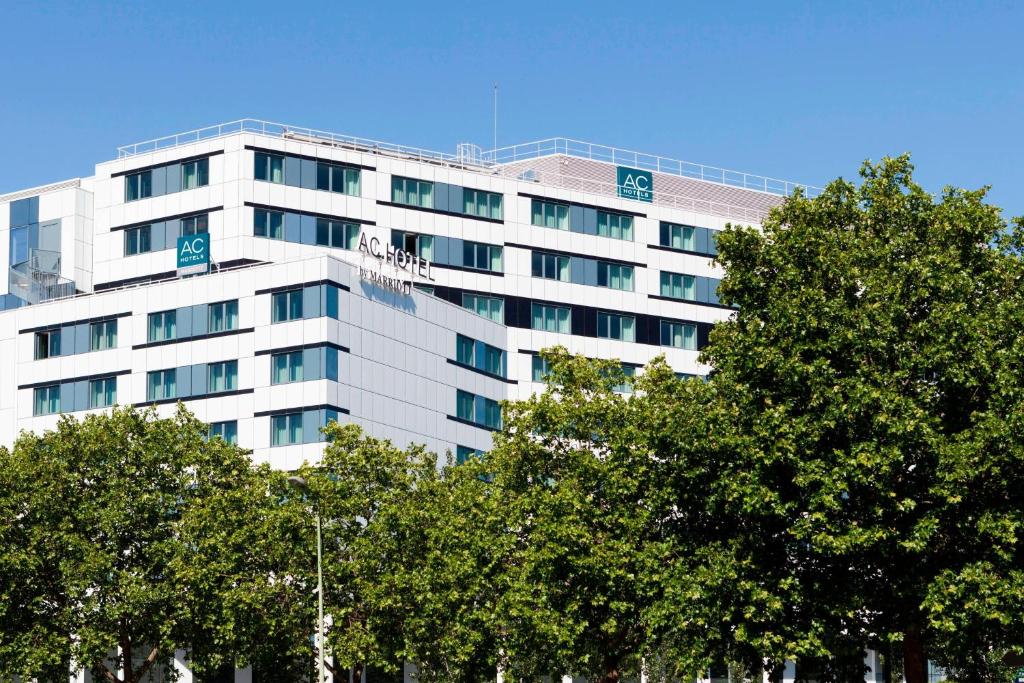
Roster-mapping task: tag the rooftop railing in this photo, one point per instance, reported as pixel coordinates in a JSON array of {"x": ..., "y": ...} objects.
[
  {"x": 471, "y": 156},
  {"x": 280, "y": 130},
  {"x": 648, "y": 162}
]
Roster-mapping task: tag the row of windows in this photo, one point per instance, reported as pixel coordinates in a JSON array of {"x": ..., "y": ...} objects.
[
  {"x": 477, "y": 409},
  {"x": 163, "y": 234},
  {"x": 479, "y": 355},
  {"x": 196, "y": 320},
  {"x": 451, "y": 251},
  {"x": 300, "y": 427},
  {"x": 307, "y": 173},
  {"x": 308, "y": 302},
  {"x": 688, "y": 238},
  {"x": 549, "y": 318},
  {"x": 492, "y": 307},
  {"x": 542, "y": 368},
  {"x": 100, "y": 393},
  {"x": 684, "y": 287},
  {"x": 71, "y": 339},
  {"x": 302, "y": 365},
  {"x": 426, "y": 194},
  {"x": 326, "y": 233},
  {"x": 164, "y": 384},
  {"x": 167, "y": 179},
  {"x": 581, "y": 270},
  {"x": 587, "y": 220}
]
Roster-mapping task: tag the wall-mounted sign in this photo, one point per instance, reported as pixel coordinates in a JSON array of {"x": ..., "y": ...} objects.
[
  {"x": 633, "y": 183},
  {"x": 194, "y": 254},
  {"x": 399, "y": 258}
]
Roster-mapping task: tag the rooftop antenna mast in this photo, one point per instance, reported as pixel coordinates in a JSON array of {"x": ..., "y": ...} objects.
[{"x": 495, "y": 148}]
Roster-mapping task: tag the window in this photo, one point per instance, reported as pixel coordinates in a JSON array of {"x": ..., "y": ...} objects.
[
  {"x": 613, "y": 326},
  {"x": 426, "y": 289},
  {"x": 103, "y": 392},
  {"x": 103, "y": 335},
  {"x": 550, "y": 318},
  {"x": 268, "y": 224},
  {"x": 615, "y": 225},
  {"x": 464, "y": 453},
  {"x": 287, "y": 306},
  {"x": 337, "y": 234},
  {"x": 47, "y": 400},
  {"x": 137, "y": 241},
  {"x": 550, "y": 266},
  {"x": 614, "y": 276},
  {"x": 481, "y": 203},
  {"x": 414, "y": 243},
  {"x": 464, "y": 405},
  {"x": 193, "y": 225},
  {"x": 286, "y": 429},
  {"x": 481, "y": 256},
  {"x": 286, "y": 367},
  {"x": 138, "y": 186},
  {"x": 333, "y": 178},
  {"x": 682, "y": 237},
  {"x": 541, "y": 369},
  {"x": 464, "y": 347},
  {"x": 412, "y": 192},
  {"x": 626, "y": 387},
  {"x": 223, "y": 316},
  {"x": 47, "y": 344},
  {"x": 19, "y": 245},
  {"x": 225, "y": 430},
  {"x": 550, "y": 215},
  {"x": 677, "y": 286},
  {"x": 482, "y": 356},
  {"x": 269, "y": 167},
  {"x": 195, "y": 174},
  {"x": 223, "y": 376},
  {"x": 162, "y": 326},
  {"x": 679, "y": 335},
  {"x": 161, "y": 384},
  {"x": 488, "y": 306},
  {"x": 477, "y": 409}
]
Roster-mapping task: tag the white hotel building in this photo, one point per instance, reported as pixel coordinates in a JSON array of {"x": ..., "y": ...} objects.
[{"x": 293, "y": 323}]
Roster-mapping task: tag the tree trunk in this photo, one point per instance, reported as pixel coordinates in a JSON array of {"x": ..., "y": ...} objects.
[
  {"x": 611, "y": 671},
  {"x": 357, "y": 672},
  {"x": 915, "y": 664}
]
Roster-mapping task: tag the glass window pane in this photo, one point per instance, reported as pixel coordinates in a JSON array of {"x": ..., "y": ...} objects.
[{"x": 276, "y": 169}]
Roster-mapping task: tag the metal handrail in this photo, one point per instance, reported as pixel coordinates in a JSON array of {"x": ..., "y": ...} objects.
[
  {"x": 281, "y": 130},
  {"x": 649, "y": 162},
  {"x": 487, "y": 159}
]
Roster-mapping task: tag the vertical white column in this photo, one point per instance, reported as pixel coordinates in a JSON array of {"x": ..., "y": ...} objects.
[
  {"x": 243, "y": 675},
  {"x": 566, "y": 679},
  {"x": 181, "y": 667},
  {"x": 76, "y": 676}
]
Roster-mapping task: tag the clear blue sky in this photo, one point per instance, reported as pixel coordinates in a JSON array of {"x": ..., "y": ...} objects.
[{"x": 801, "y": 91}]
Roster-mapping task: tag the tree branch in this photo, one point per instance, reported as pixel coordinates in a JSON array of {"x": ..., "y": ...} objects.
[{"x": 146, "y": 664}]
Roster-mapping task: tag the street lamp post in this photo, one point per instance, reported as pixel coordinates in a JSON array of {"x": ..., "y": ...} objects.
[{"x": 300, "y": 483}]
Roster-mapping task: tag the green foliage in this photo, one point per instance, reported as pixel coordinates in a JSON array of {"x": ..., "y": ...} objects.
[
  {"x": 866, "y": 411},
  {"x": 128, "y": 531}
]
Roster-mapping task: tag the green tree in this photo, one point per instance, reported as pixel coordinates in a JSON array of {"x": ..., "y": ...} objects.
[
  {"x": 581, "y": 502},
  {"x": 356, "y": 487},
  {"x": 865, "y": 415},
  {"x": 109, "y": 527}
]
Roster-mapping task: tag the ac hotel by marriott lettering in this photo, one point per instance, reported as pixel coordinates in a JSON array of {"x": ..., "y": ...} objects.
[{"x": 399, "y": 258}]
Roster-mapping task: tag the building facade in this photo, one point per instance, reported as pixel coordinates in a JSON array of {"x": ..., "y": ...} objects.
[{"x": 273, "y": 278}]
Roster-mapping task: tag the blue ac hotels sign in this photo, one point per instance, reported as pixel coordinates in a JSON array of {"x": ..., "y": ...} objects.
[
  {"x": 635, "y": 184},
  {"x": 194, "y": 254}
]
